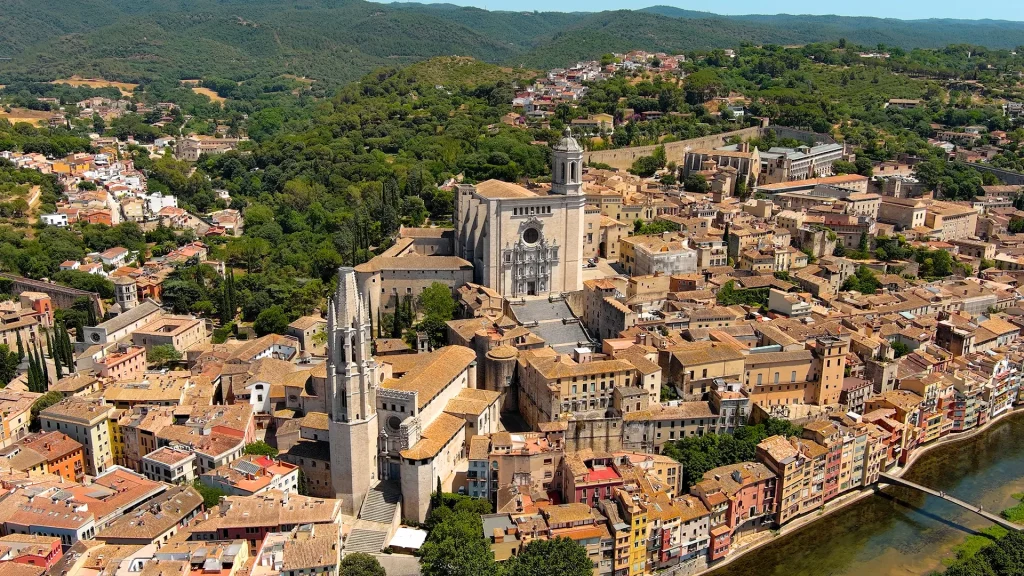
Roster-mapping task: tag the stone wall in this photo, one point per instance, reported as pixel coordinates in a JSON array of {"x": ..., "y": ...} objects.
[
  {"x": 802, "y": 135},
  {"x": 1007, "y": 176},
  {"x": 623, "y": 158},
  {"x": 62, "y": 296}
]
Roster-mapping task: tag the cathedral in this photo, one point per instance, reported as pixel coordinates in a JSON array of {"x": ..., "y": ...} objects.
[
  {"x": 401, "y": 423},
  {"x": 525, "y": 242}
]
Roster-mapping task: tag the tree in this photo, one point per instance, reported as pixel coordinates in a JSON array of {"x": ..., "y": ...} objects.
[
  {"x": 696, "y": 183},
  {"x": 456, "y": 546},
  {"x": 260, "y": 448},
  {"x": 844, "y": 167},
  {"x": 863, "y": 281},
  {"x": 558, "y": 557},
  {"x": 163, "y": 354},
  {"x": 44, "y": 402},
  {"x": 211, "y": 496},
  {"x": 900, "y": 349},
  {"x": 360, "y": 564},
  {"x": 273, "y": 320},
  {"x": 645, "y": 166},
  {"x": 8, "y": 365},
  {"x": 436, "y": 300}
]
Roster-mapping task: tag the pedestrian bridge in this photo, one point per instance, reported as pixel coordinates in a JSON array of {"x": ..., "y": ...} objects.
[{"x": 994, "y": 518}]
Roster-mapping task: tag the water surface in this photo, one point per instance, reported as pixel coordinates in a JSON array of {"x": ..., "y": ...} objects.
[{"x": 902, "y": 531}]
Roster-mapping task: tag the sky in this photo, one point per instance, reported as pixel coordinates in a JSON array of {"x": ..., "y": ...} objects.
[{"x": 905, "y": 9}]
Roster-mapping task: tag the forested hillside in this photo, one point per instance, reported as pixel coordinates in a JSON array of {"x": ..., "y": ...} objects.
[{"x": 340, "y": 40}]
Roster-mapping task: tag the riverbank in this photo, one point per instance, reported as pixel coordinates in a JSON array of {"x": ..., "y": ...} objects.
[{"x": 851, "y": 498}]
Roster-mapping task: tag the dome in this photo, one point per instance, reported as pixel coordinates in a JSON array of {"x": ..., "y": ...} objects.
[{"x": 568, "y": 143}]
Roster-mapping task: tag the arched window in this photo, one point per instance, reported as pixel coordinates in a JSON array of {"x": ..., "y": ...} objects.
[
  {"x": 562, "y": 175},
  {"x": 575, "y": 172}
]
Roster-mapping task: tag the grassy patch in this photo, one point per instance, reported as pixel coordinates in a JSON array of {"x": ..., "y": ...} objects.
[
  {"x": 1016, "y": 513},
  {"x": 975, "y": 543}
]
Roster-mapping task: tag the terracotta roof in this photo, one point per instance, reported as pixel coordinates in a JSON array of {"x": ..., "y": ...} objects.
[
  {"x": 417, "y": 262},
  {"x": 496, "y": 189},
  {"x": 681, "y": 411},
  {"x": 801, "y": 356},
  {"x": 779, "y": 449},
  {"x": 428, "y": 374},
  {"x": 306, "y": 322},
  {"x": 999, "y": 326},
  {"x": 567, "y": 513},
  {"x": 472, "y": 401},
  {"x": 691, "y": 507},
  {"x": 696, "y": 353},
  {"x": 155, "y": 518},
  {"x": 435, "y": 437},
  {"x": 315, "y": 420}
]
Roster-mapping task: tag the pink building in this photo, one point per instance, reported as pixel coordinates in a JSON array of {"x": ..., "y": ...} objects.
[
  {"x": 741, "y": 498},
  {"x": 123, "y": 365}
]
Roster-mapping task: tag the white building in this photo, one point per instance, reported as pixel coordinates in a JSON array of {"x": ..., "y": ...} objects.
[{"x": 55, "y": 220}]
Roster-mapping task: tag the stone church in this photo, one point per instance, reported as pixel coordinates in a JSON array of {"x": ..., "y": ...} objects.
[
  {"x": 525, "y": 242},
  {"x": 398, "y": 424}
]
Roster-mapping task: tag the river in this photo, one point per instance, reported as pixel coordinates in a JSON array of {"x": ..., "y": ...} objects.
[{"x": 901, "y": 531}]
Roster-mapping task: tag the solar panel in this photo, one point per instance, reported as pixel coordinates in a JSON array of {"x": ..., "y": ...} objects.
[{"x": 246, "y": 467}]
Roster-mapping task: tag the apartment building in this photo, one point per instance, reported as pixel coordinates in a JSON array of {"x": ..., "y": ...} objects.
[
  {"x": 86, "y": 422},
  {"x": 800, "y": 466},
  {"x": 741, "y": 497}
]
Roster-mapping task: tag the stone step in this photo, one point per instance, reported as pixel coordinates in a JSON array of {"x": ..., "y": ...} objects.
[
  {"x": 369, "y": 541},
  {"x": 380, "y": 503}
]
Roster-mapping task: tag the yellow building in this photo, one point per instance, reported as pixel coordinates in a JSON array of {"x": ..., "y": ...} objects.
[
  {"x": 635, "y": 516},
  {"x": 116, "y": 438}
]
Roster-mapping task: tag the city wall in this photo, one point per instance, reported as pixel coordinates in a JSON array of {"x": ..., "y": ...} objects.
[{"x": 623, "y": 158}]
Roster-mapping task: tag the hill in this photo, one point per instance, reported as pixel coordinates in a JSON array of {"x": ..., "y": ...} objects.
[{"x": 340, "y": 40}]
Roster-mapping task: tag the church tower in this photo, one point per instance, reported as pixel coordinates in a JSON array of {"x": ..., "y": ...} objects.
[
  {"x": 567, "y": 166},
  {"x": 352, "y": 375}
]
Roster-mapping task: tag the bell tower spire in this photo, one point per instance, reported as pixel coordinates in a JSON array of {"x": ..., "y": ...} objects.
[
  {"x": 352, "y": 394},
  {"x": 567, "y": 166}
]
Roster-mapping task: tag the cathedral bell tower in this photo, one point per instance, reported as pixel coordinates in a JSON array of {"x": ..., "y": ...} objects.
[
  {"x": 352, "y": 375},
  {"x": 567, "y": 166}
]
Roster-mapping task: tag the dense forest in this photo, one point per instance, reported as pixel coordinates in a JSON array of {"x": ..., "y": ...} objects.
[
  {"x": 340, "y": 40},
  {"x": 329, "y": 175}
]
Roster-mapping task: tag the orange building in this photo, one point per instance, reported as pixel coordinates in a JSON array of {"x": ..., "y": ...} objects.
[
  {"x": 63, "y": 456},
  {"x": 101, "y": 216}
]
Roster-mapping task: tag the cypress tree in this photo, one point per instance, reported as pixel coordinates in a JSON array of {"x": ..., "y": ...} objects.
[
  {"x": 33, "y": 370},
  {"x": 396, "y": 325},
  {"x": 44, "y": 372},
  {"x": 21, "y": 348},
  {"x": 67, "y": 351},
  {"x": 55, "y": 353}
]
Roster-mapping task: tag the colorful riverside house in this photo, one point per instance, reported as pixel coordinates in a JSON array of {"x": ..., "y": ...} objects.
[{"x": 741, "y": 497}]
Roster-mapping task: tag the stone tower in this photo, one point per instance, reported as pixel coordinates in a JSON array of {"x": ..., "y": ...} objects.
[
  {"x": 126, "y": 293},
  {"x": 567, "y": 166},
  {"x": 352, "y": 375}
]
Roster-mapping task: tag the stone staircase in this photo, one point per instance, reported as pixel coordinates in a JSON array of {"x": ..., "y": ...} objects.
[
  {"x": 381, "y": 502},
  {"x": 369, "y": 541}
]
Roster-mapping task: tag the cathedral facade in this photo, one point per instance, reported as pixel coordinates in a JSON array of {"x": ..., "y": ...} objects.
[{"x": 525, "y": 242}]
